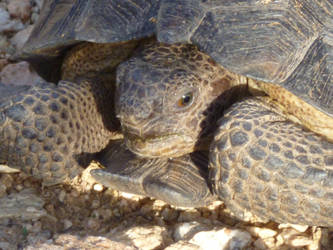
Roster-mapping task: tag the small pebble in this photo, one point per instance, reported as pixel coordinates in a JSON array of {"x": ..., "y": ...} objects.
[
  {"x": 148, "y": 237},
  {"x": 8, "y": 25},
  {"x": 145, "y": 209},
  {"x": 93, "y": 224},
  {"x": 261, "y": 232},
  {"x": 20, "y": 9},
  {"x": 169, "y": 214},
  {"x": 31, "y": 209},
  {"x": 182, "y": 245},
  {"x": 27, "y": 226},
  {"x": 183, "y": 231},
  {"x": 34, "y": 17},
  {"x": 158, "y": 204},
  {"x": 67, "y": 224},
  {"x": 19, "y": 187},
  {"x": 299, "y": 241},
  {"x": 299, "y": 228},
  {"x": 36, "y": 227},
  {"x": 75, "y": 194},
  {"x": 6, "y": 180},
  {"x": 189, "y": 215},
  {"x": 116, "y": 212},
  {"x": 95, "y": 204},
  {"x": 5, "y": 245},
  {"x": 264, "y": 244},
  {"x": 98, "y": 187},
  {"x": 19, "y": 74},
  {"x": 288, "y": 233},
  {"x": 222, "y": 239},
  {"x": 62, "y": 195},
  {"x": 27, "y": 184},
  {"x": 19, "y": 39}
]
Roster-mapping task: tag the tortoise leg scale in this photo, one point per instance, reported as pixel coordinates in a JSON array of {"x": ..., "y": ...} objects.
[
  {"x": 51, "y": 131},
  {"x": 263, "y": 163}
]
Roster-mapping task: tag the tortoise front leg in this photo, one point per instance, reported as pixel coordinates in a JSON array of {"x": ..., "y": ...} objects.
[
  {"x": 265, "y": 164},
  {"x": 178, "y": 181},
  {"x": 51, "y": 132}
]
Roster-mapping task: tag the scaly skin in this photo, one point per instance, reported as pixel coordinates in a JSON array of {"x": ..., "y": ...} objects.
[
  {"x": 88, "y": 59},
  {"x": 51, "y": 132},
  {"x": 149, "y": 93},
  {"x": 260, "y": 161},
  {"x": 152, "y": 83}
]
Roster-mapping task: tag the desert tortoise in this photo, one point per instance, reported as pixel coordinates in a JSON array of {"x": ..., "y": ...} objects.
[{"x": 287, "y": 44}]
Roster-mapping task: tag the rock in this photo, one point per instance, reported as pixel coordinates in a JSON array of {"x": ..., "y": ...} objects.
[
  {"x": 20, "y": 9},
  {"x": 34, "y": 17},
  {"x": 19, "y": 74},
  {"x": 142, "y": 237},
  {"x": 21, "y": 37},
  {"x": 185, "y": 231},
  {"x": 222, "y": 239},
  {"x": 262, "y": 232},
  {"x": 5, "y": 246},
  {"x": 67, "y": 224},
  {"x": 147, "y": 237},
  {"x": 263, "y": 244},
  {"x": 182, "y": 245},
  {"x": 8, "y": 25},
  {"x": 93, "y": 224},
  {"x": 67, "y": 241},
  {"x": 62, "y": 196},
  {"x": 188, "y": 215},
  {"x": 98, "y": 187},
  {"x": 288, "y": 235},
  {"x": 169, "y": 214},
  {"x": 300, "y": 241},
  {"x": 299, "y": 228},
  {"x": 25, "y": 205}
]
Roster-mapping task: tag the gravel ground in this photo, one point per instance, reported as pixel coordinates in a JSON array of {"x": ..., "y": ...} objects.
[{"x": 85, "y": 215}]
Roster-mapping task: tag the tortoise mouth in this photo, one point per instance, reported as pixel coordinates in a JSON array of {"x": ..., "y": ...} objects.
[{"x": 169, "y": 145}]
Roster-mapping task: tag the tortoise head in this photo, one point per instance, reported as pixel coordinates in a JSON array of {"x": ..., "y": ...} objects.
[{"x": 167, "y": 98}]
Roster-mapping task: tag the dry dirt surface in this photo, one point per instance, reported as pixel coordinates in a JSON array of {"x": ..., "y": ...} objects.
[{"x": 86, "y": 215}]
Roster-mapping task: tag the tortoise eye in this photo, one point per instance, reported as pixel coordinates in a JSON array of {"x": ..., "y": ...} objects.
[{"x": 185, "y": 100}]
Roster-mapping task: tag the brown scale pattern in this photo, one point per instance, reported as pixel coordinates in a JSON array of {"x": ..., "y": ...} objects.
[
  {"x": 265, "y": 164},
  {"x": 90, "y": 58},
  {"x": 299, "y": 111},
  {"x": 161, "y": 74},
  {"x": 50, "y": 131}
]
